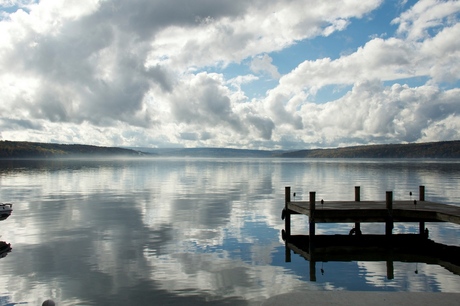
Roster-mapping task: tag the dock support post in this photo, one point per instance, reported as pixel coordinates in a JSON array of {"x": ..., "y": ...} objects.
[
  {"x": 421, "y": 192},
  {"x": 287, "y": 219},
  {"x": 312, "y": 270},
  {"x": 421, "y": 228},
  {"x": 357, "y": 193},
  {"x": 312, "y": 219},
  {"x": 390, "y": 269},
  {"x": 287, "y": 252},
  {"x": 357, "y": 199},
  {"x": 389, "y": 206}
]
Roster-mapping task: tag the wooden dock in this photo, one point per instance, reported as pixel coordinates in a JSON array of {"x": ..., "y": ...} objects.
[
  {"x": 358, "y": 246},
  {"x": 358, "y": 211}
]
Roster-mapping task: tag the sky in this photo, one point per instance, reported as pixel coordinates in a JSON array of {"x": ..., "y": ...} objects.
[{"x": 248, "y": 74}]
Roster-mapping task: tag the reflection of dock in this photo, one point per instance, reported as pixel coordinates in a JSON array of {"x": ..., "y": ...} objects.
[{"x": 402, "y": 248}]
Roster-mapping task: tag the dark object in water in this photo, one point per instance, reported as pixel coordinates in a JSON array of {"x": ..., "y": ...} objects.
[
  {"x": 5, "y": 248},
  {"x": 5, "y": 210}
]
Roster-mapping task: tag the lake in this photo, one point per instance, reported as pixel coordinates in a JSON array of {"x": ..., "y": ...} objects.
[{"x": 174, "y": 231}]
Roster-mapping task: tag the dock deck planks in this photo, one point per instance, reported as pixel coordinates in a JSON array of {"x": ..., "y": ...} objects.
[{"x": 376, "y": 211}]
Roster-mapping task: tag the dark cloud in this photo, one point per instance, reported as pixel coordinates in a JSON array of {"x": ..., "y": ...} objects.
[
  {"x": 205, "y": 102},
  {"x": 265, "y": 126},
  {"x": 206, "y": 136},
  {"x": 18, "y": 124},
  {"x": 189, "y": 136},
  {"x": 281, "y": 114},
  {"x": 144, "y": 17}
]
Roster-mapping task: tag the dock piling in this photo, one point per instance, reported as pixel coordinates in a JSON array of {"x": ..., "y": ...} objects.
[
  {"x": 287, "y": 222},
  {"x": 390, "y": 269},
  {"x": 389, "y": 207},
  {"x": 421, "y": 198},
  {"x": 287, "y": 218},
  {"x": 287, "y": 253},
  {"x": 312, "y": 218},
  {"x": 357, "y": 199},
  {"x": 357, "y": 193},
  {"x": 421, "y": 192},
  {"x": 421, "y": 228},
  {"x": 312, "y": 270}
]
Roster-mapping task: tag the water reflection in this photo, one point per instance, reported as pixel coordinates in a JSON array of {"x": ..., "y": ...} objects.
[
  {"x": 190, "y": 231},
  {"x": 406, "y": 248}
]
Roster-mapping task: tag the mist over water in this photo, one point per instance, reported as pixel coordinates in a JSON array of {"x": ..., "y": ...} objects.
[{"x": 174, "y": 231}]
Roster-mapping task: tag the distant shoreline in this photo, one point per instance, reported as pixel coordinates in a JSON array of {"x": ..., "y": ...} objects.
[
  {"x": 24, "y": 150},
  {"x": 28, "y": 150},
  {"x": 443, "y": 149}
]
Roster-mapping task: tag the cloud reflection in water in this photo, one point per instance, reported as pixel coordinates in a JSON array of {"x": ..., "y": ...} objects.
[{"x": 176, "y": 230}]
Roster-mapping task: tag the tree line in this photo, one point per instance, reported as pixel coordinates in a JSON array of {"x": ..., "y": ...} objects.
[
  {"x": 443, "y": 149},
  {"x": 23, "y": 149}
]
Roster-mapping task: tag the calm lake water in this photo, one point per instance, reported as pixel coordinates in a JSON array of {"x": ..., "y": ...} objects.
[{"x": 174, "y": 231}]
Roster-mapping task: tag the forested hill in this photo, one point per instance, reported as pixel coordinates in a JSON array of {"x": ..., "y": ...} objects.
[
  {"x": 15, "y": 149},
  {"x": 444, "y": 149}
]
